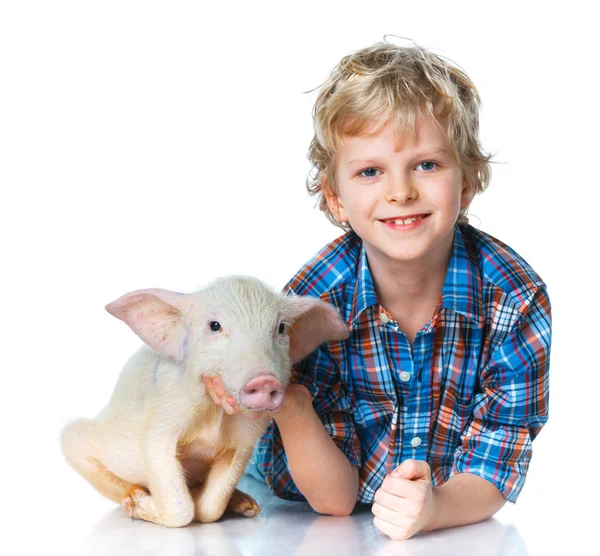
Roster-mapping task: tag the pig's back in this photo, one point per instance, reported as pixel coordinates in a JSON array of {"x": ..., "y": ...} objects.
[{"x": 135, "y": 389}]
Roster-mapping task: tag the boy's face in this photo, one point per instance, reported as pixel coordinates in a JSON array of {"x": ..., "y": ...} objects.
[{"x": 381, "y": 181}]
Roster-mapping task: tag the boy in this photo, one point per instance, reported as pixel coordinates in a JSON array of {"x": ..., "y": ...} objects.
[{"x": 429, "y": 408}]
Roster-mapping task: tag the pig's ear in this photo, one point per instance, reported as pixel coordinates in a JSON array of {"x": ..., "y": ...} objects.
[
  {"x": 317, "y": 322},
  {"x": 156, "y": 317}
]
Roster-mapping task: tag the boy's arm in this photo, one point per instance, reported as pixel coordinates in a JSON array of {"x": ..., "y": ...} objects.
[
  {"x": 320, "y": 470},
  {"x": 465, "y": 498},
  {"x": 407, "y": 503},
  {"x": 491, "y": 462},
  {"x": 511, "y": 406}
]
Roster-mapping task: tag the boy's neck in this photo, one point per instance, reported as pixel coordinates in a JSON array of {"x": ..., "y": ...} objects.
[{"x": 403, "y": 286}]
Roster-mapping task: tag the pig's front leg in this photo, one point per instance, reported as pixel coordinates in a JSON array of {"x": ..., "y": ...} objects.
[
  {"x": 212, "y": 498},
  {"x": 169, "y": 501}
]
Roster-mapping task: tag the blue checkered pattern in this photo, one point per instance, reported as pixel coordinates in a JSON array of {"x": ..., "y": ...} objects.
[{"x": 469, "y": 396}]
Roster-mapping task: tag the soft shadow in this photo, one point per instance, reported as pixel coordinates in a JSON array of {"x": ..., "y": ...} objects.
[
  {"x": 292, "y": 528},
  {"x": 279, "y": 524},
  {"x": 117, "y": 534},
  {"x": 357, "y": 535},
  {"x": 488, "y": 537}
]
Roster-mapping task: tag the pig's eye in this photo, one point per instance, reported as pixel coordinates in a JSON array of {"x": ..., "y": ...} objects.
[
  {"x": 215, "y": 326},
  {"x": 281, "y": 328}
]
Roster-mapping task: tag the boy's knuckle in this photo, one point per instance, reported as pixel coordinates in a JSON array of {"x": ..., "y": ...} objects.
[
  {"x": 400, "y": 535},
  {"x": 387, "y": 484}
]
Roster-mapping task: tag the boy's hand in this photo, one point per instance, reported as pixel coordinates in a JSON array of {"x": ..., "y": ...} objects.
[
  {"x": 218, "y": 394},
  {"x": 405, "y": 503},
  {"x": 297, "y": 398}
]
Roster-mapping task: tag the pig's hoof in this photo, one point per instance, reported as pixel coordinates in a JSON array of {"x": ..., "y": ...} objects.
[
  {"x": 132, "y": 498},
  {"x": 242, "y": 503}
]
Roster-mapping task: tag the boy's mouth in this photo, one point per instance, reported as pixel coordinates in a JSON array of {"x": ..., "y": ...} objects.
[{"x": 404, "y": 220}]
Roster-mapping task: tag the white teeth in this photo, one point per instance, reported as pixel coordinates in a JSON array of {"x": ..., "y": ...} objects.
[{"x": 406, "y": 221}]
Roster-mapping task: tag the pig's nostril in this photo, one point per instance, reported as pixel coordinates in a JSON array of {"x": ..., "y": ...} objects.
[{"x": 262, "y": 392}]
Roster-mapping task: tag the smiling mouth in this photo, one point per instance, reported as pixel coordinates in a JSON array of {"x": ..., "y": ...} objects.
[{"x": 406, "y": 220}]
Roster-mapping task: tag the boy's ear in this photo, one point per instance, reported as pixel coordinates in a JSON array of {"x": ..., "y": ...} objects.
[
  {"x": 467, "y": 193},
  {"x": 334, "y": 202}
]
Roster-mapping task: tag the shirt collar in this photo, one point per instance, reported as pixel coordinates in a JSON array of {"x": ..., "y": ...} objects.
[
  {"x": 462, "y": 286},
  {"x": 364, "y": 290},
  {"x": 461, "y": 291}
]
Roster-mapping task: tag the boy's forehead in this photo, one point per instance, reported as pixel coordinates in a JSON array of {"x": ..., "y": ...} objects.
[{"x": 426, "y": 133}]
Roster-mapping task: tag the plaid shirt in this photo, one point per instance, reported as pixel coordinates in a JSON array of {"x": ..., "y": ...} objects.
[{"x": 468, "y": 397}]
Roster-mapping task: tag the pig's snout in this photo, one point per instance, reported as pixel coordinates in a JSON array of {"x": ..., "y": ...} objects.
[{"x": 262, "y": 392}]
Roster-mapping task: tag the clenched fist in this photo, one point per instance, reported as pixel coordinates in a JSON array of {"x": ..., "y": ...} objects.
[{"x": 405, "y": 503}]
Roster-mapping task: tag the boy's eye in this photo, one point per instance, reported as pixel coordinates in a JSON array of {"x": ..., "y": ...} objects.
[
  {"x": 369, "y": 173},
  {"x": 427, "y": 166}
]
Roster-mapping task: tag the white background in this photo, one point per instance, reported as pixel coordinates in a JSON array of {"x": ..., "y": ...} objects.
[{"x": 163, "y": 144}]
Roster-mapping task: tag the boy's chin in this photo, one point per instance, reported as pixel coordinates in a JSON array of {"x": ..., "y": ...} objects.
[{"x": 400, "y": 252}]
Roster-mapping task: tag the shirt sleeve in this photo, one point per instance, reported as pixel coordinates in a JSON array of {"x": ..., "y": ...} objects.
[
  {"x": 511, "y": 405},
  {"x": 319, "y": 372}
]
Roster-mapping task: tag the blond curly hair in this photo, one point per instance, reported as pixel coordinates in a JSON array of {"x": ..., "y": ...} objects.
[{"x": 390, "y": 83}]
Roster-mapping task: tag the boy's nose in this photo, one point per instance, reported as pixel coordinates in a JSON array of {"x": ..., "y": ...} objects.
[{"x": 401, "y": 190}]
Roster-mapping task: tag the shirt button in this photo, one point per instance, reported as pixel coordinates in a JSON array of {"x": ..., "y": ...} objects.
[
  {"x": 384, "y": 318},
  {"x": 415, "y": 442},
  {"x": 404, "y": 376}
]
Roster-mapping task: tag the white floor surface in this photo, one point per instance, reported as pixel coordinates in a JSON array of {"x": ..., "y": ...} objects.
[{"x": 73, "y": 519}]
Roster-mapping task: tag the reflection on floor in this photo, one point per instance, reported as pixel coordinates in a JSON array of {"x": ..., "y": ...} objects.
[{"x": 291, "y": 528}]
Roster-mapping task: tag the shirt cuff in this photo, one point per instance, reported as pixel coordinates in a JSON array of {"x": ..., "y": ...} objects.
[{"x": 501, "y": 457}]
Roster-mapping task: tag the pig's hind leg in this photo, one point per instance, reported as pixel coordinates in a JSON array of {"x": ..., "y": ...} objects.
[{"x": 79, "y": 442}]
